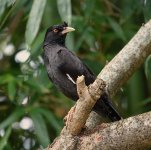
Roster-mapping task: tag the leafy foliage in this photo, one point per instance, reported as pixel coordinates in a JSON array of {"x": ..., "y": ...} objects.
[{"x": 102, "y": 29}]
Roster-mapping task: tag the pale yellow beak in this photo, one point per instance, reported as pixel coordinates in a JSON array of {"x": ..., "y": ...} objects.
[{"x": 68, "y": 29}]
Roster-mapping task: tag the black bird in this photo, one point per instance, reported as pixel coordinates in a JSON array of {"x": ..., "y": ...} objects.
[{"x": 63, "y": 68}]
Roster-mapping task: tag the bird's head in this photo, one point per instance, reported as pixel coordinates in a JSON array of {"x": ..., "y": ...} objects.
[{"x": 57, "y": 34}]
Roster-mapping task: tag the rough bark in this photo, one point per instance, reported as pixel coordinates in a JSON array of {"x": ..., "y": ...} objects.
[{"x": 132, "y": 133}]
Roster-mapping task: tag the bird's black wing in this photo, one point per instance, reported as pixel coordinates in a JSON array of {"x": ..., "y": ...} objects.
[
  {"x": 47, "y": 64},
  {"x": 72, "y": 66}
]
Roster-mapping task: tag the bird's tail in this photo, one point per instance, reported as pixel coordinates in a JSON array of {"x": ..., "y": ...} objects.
[{"x": 105, "y": 107}]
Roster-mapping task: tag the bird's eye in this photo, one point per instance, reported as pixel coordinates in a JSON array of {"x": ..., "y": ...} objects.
[{"x": 55, "y": 30}]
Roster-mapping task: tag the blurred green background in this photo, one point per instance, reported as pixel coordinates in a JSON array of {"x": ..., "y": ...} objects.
[{"x": 31, "y": 108}]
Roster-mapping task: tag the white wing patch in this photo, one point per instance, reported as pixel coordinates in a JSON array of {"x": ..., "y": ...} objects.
[{"x": 69, "y": 77}]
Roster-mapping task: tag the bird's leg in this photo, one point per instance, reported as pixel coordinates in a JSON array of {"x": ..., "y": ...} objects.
[{"x": 69, "y": 116}]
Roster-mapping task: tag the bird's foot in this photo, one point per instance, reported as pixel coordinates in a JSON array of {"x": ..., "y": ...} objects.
[{"x": 69, "y": 116}]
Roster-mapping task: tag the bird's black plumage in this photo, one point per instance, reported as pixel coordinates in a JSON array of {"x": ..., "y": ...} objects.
[{"x": 63, "y": 68}]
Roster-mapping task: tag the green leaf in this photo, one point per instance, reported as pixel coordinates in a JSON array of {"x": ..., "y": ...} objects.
[
  {"x": 146, "y": 10},
  {"x": 37, "y": 43},
  {"x": 145, "y": 102},
  {"x": 135, "y": 93},
  {"x": 64, "y": 8},
  {"x": 4, "y": 4},
  {"x": 4, "y": 78},
  {"x": 11, "y": 90},
  {"x": 34, "y": 20},
  {"x": 117, "y": 28},
  {"x": 50, "y": 118},
  {"x": 89, "y": 8},
  {"x": 40, "y": 128},
  {"x": 148, "y": 67},
  {"x": 16, "y": 114},
  {"x": 35, "y": 84},
  {"x": 4, "y": 140},
  {"x": 81, "y": 39},
  {"x": 90, "y": 40},
  {"x": 70, "y": 42}
]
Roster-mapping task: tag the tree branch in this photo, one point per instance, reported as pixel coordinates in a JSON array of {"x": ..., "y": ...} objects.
[
  {"x": 115, "y": 74},
  {"x": 133, "y": 133},
  {"x": 87, "y": 99},
  {"x": 124, "y": 64}
]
